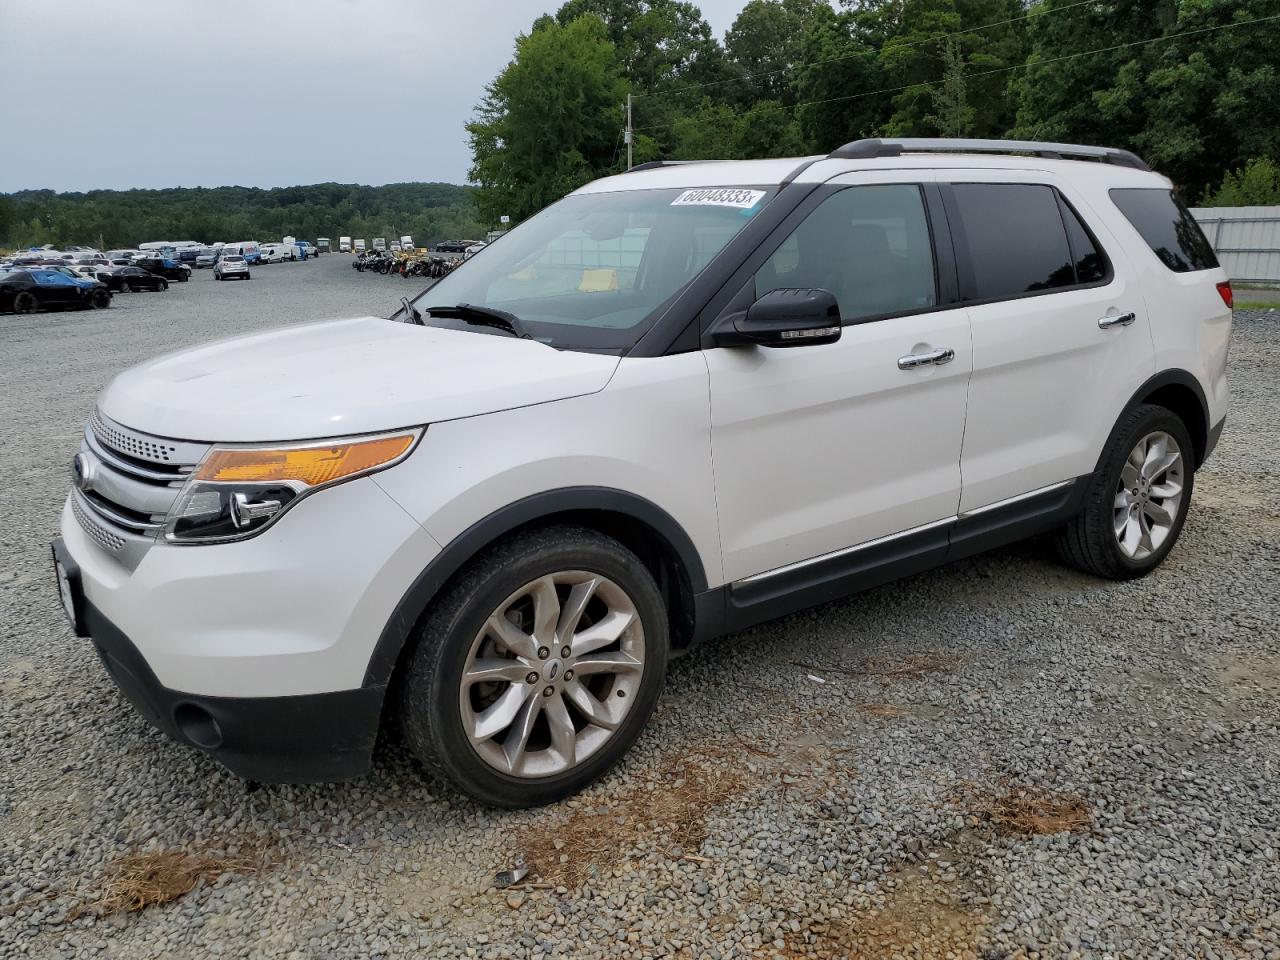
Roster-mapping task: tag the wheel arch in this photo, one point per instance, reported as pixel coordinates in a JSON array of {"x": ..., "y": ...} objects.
[
  {"x": 646, "y": 529},
  {"x": 1180, "y": 392}
]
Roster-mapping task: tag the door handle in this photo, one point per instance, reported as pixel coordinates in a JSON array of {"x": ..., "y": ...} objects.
[
  {"x": 1123, "y": 320},
  {"x": 935, "y": 357}
]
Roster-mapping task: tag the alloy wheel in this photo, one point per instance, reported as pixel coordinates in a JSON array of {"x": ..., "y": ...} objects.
[
  {"x": 552, "y": 674},
  {"x": 1148, "y": 497}
]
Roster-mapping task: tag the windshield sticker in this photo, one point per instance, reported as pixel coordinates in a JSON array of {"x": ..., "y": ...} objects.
[{"x": 719, "y": 197}]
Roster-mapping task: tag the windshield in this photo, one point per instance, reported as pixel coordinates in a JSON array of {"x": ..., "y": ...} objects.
[{"x": 592, "y": 271}]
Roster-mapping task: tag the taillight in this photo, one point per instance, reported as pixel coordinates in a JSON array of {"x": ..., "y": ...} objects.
[{"x": 1224, "y": 291}]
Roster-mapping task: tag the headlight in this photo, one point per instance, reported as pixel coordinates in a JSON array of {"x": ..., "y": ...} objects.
[{"x": 237, "y": 491}]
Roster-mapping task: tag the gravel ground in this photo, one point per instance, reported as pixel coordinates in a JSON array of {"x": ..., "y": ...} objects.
[{"x": 1045, "y": 765}]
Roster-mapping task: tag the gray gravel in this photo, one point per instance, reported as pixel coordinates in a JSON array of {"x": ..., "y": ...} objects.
[{"x": 1003, "y": 759}]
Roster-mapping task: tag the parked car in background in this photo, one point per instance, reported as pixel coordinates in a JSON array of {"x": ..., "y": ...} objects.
[
  {"x": 322, "y": 245},
  {"x": 29, "y": 290},
  {"x": 277, "y": 252},
  {"x": 359, "y": 246},
  {"x": 248, "y": 249},
  {"x": 164, "y": 267},
  {"x": 207, "y": 257},
  {"x": 344, "y": 245},
  {"x": 86, "y": 282},
  {"x": 305, "y": 249},
  {"x": 380, "y": 243},
  {"x": 231, "y": 266},
  {"x": 133, "y": 280}
]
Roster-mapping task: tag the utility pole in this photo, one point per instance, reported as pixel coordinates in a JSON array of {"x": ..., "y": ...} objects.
[{"x": 627, "y": 135}]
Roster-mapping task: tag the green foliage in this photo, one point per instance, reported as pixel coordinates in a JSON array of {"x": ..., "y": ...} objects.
[
  {"x": 1195, "y": 102},
  {"x": 550, "y": 121},
  {"x": 429, "y": 212},
  {"x": 1256, "y": 184},
  {"x": 954, "y": 116},
  {"x": 719, "y": 131},
  {"x": 764, "y": 44},
  {"x": 796, "y": 76}
]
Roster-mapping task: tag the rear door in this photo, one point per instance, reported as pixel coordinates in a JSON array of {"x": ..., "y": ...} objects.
[
  {"x": 821, "y": 448},
  {"x": 1060, "y": 331}
]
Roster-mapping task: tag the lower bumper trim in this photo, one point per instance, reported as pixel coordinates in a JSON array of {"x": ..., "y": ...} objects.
[{"x": 313, "y": 738}]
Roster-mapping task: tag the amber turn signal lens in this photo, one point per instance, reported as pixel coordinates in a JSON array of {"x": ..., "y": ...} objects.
[{"x": 313, "y": 466}]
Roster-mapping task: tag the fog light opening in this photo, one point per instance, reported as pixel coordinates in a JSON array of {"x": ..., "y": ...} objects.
[{"x": 198, "y": 726}]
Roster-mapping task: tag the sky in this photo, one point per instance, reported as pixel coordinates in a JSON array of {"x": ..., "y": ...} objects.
[{"x": 117, "y": 94}]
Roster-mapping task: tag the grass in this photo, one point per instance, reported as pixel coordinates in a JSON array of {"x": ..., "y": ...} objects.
[
  {"x": 137, "y": 881},
  {"x": 1257, "y": 305},
  {"x": 1029, "y": 811}
]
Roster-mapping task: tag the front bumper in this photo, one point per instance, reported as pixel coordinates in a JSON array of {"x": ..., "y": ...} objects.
[
  {"x": 301, "y": 739},
  {"x": 256, "y": 651}
]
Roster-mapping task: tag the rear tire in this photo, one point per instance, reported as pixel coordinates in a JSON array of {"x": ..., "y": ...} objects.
[
  {"x": 1137, "y": 500},
  {"x": 449, "y": 726},
  {"x": 24, "y": 301}
]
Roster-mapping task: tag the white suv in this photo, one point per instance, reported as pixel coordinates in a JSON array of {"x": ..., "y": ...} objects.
[{"x": 678, "y": 402}]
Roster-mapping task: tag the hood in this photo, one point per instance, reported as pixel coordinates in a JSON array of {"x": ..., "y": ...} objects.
[{"x": 343, "y": 377}]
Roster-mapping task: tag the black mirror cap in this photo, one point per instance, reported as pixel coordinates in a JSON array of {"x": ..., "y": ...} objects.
[{"x": 791, "y": 317}]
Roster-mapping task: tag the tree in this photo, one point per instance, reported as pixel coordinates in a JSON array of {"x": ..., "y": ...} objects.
[
  {"x": 763, "y": 46},
  {"x": 989, "y": 37},
  {"x": 550, "y": 121},
  {"x": 721, "y": 131},
  {"x": 954, "y": 116},
  {"x": 1256, "y": 184},
  {"x": 839, "y": 81},
  {"x": 1188, "y": 91}
]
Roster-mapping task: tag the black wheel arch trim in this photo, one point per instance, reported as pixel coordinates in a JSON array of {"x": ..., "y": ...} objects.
[
  {"x": 521, "y": 513},
  {"x": 1177, "y": 377}
]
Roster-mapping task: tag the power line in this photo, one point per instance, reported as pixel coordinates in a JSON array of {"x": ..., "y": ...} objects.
[
  {"x": 1016, "y": 66},
  {"x": 849, "y": 56}
]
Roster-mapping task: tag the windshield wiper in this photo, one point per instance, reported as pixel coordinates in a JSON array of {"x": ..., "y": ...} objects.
[{"x": 484, "y": 317}]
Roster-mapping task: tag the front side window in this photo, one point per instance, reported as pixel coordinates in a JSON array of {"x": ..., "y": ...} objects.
[
  {"x": 1015, "y": 237},
  {"x": 592, "y": 271},
  {"x": 867, "y": 245},
  {"x": 1168, "y": 227}
]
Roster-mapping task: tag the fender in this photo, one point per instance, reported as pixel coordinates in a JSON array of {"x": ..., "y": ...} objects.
[
  {"x": 1209, "y": 432},
  {"x": 501, "y": 522}
]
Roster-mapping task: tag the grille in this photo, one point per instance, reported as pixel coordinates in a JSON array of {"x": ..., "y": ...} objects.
[
  {"x": 99, "y": 534},
  {"x": 129, "y": 484},
  {"x": 144, "y": 448}
]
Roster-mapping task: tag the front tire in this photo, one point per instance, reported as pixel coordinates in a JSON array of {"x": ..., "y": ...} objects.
[
  {"x": 536, "y": 669},
  {"x": 1137, "y": 500},
  {"x": 100, "y": 299}
]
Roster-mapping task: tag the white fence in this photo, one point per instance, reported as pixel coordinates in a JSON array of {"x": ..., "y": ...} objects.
[{"x": 1247, "y": 240}]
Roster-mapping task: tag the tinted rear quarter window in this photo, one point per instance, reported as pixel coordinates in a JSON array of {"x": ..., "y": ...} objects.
[
  {"x": 1168, "y": 227},
  {"x": 1015, "y": 237}
]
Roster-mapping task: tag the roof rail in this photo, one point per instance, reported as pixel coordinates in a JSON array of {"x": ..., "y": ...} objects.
[
  {"x": 869, "y": 149},
  {"x": 655, "y": 164}
]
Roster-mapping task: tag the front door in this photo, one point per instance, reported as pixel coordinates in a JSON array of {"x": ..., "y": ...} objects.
[{"x": 821, "y": 448}]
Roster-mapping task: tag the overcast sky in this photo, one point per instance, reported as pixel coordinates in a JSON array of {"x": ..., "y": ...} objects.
[{"x": 150, "y": 94}]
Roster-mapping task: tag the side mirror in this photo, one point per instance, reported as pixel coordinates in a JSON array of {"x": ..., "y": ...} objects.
[{"x": 788, "y": 317}]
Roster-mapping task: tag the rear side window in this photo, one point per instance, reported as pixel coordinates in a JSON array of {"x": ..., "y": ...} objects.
[
  {"x": 1016, "y": 239},
  {"x": 1168, "y": 227}
]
